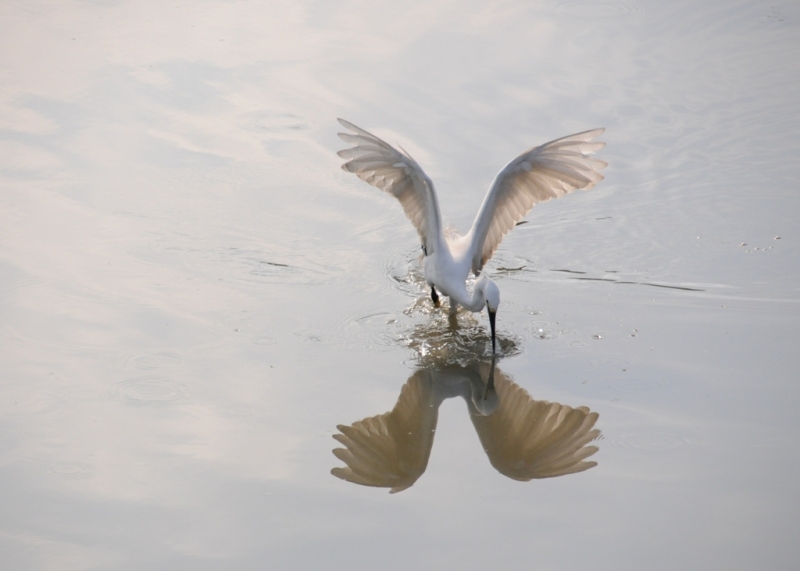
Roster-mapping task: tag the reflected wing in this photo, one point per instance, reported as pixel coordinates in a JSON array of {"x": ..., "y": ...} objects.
[
  {"x": 537, "y": 175},
  {"x": 378, "y": 163},
  {"x": 526, "y": 439},
  {"x": 391, "y": 450}
]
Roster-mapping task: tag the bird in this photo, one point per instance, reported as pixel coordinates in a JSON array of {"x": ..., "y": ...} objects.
[{"x": 539, "y": 174}]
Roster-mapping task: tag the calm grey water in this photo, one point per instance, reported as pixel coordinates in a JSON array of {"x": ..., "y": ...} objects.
[{"x": 193, "y": 295}]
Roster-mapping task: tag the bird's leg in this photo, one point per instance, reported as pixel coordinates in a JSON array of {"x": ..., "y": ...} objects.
[
  {"x": 452, "y": 316},
  {"x": 453, "y": 308},
  {"x": 434, "y": 296}
]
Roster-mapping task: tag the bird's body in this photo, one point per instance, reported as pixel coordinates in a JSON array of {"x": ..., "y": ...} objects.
[
  {"x": 448, "y": 268},
  {"x": 539, "y": 174}
]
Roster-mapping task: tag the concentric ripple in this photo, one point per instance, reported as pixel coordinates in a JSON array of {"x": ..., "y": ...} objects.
[
  {"x": 376, "y": 330},
  {"x": 150, "y": 390},
  {"x": 68, "y": 470},
  {"x": 151, "y": 361},
  {"x": 402, "y": 268}
]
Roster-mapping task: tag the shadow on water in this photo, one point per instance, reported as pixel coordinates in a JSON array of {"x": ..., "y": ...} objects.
[{"x": 523, "y": 438}]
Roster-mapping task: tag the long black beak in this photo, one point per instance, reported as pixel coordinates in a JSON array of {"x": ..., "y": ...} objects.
[{"x": 492, "y": 315}]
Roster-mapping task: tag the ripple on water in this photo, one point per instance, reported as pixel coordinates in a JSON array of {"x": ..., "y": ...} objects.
[
  {"x": 428, "y": 332},
  {"x": 151, "y": 361},
  {"x": 607, "y": 364},
  {"x": 403, "y": 270},
  {"x": 647, "y": 442},
  {"x": 249, "y": 263},
  {"x": 438, "y": 341},
  {"x": 69, "y": 471},
  {"x": 160, "y": 250},
  {"x": 254, "y": 265},
  {"x": 150, "y": 390},
  {"x": 541, "y": 330},
  {"x": 422, "y": 327},
  {"x": 515, "y": 267},
  {"x": 239, "y": 410},
  {"x": 375, "y": 330}
]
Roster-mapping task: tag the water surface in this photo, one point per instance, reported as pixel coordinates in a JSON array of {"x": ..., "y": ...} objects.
[{"x": 193, "y": 295}]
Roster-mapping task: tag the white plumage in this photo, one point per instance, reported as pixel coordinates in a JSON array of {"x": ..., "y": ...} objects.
[{"x": 537, "y": 175}]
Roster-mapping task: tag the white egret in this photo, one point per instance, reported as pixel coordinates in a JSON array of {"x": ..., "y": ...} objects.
[{"x": 537, "y": 175}]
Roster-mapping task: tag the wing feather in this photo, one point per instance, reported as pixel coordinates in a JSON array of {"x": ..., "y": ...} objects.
[
  {"x": 537, "y": 175},
  {"x": 395, "y": 172}
]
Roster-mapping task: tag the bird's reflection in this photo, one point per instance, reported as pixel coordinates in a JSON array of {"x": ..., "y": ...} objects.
[{"x": 523, "y": 438}]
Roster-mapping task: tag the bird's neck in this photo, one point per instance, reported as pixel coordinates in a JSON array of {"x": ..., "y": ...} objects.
[{"x": 474, "y": 302}]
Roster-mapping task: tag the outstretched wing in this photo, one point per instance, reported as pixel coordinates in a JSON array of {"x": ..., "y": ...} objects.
[
  {"x": 381, "y": 165},
  {"x": 537, "y": 175}
]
